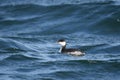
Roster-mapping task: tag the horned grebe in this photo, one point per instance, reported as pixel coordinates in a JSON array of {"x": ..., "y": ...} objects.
[{"x": 69, "y": 51}]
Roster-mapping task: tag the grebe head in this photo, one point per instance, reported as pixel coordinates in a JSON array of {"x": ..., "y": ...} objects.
[{"x": 62, "y": 42}]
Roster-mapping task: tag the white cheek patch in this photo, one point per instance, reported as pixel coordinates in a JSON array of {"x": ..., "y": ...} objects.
[{"x": 62, "y": 43}]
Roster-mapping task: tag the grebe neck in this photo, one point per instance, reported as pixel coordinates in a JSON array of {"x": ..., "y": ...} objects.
[{"x": 62, "y": 48}]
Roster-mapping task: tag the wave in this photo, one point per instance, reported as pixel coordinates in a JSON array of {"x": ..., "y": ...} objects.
[
  {"x": 110, "y": 48},
  {"x": 55, "y": 2},
  {"x": 12, "y": 46},
  {"x": 95, "y": 19},
  {"x": 20, "y": 57}
]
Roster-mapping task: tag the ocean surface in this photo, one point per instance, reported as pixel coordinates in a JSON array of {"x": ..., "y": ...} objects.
[{"x": 29, "y": 30}]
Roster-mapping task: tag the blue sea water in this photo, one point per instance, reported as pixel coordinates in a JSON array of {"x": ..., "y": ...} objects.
[{"x": 29, "y": 30}]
